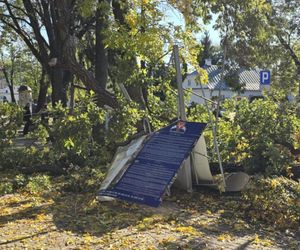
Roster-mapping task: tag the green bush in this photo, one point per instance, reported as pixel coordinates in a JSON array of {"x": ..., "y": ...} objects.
[
  {"x": 20, "y": 181},
  {"x": 85, "y": 179},
  {"x": 260, "y": 135},
  {"x": 11, "y": 118},
  {"x": 25, "y": 157},
  {"x": 12, "y": 181},
  {"x": 275, "y": 201},
  {"x": 38, "y": 184},
  {"x": 6, "y": 187},
  {"x": 71, "y": 134},
  {"x": 162, "y": 104},
  {"x": 12, "y": 156}
]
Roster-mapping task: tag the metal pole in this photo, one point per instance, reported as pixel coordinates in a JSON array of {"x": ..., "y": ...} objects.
[
  {"x": 179, "y": 84},
  {"x": 186, "y": 175},
  {"x": 214, "y": 130}
]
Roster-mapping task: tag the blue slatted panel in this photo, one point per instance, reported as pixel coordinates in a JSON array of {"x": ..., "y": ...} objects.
[{"x": 153, "y": 170}]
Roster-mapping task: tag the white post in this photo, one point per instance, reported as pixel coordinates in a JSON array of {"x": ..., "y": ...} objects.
[{"x": 184, "y": 178}]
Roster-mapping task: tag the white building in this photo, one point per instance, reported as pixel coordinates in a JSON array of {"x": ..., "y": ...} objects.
[
  {"x": 250, "y": 79},
  {"x": 5, "y": 94},
  {"x": 2, "y": 83},
  {"x": 5, "y": 91}
]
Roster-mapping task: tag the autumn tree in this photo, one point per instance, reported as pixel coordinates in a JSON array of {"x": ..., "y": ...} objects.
[
  {"x": 108, "y": 41},
  {"x": 261, "y": 33}
]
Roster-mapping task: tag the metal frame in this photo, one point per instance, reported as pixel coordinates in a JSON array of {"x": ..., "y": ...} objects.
[{"x": 182, "y": 116}]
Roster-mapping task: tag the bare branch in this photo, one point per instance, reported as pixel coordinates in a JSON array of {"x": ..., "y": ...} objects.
[
  {"x": 17, "y": 18},
  {"x": 25, "y": 38}
]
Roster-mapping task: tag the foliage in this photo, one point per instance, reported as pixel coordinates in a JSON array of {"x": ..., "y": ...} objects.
[
  {"x": 13, "y": 181},
  {"x": 233, "y": 80},
  {"x": 274, "y": 201},
  {"x": 198, "y": 113},
  {"x": 262, "y": 136},
  {"x": 6, "y": 187},
  {"x": 71, "y": 133},
  {"x": 25, "y": 157},
  {"x": 265, "y": 33},
  {"x": 84, "y": 180},
  {"x": 18, "y": 63},
  {"x": 10, "y": 120},
  {"x": 162, "y": 104},
  {"x": 123, "y": 123},
  {"x": 70, "y": 136},
  {"x": 266, "y": 130},
  {"x": 37, "y": 184},
  {"x": 209, "y": 51}
]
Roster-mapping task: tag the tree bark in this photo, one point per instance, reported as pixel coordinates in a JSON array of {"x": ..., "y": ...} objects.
[
  {"x": 64, "y": 10},
  {"x": 42, "y": 98},
  {"x": 10, "y": 85},
  {"x": 60, "y": 79},
  {"x": 101, "y": 58}
]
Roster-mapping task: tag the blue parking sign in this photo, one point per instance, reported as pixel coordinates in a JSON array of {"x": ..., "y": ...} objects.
[{"x": 265, "y": 77}]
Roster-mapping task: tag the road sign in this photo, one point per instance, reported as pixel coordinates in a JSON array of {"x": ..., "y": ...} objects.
[
  {"x": 153, "y": 170},
  {"x": 265, "y": 77}
]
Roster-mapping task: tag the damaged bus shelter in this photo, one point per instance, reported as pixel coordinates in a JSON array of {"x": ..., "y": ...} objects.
[{"x": 144, "y": 170}]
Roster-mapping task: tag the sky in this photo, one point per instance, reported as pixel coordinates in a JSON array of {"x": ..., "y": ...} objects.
[
  {"x": 175, "y": 17},
  {"x": 214, "y": 34}
]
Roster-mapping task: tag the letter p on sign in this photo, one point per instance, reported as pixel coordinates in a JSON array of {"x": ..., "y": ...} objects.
[{"x": 265, "y": 77}]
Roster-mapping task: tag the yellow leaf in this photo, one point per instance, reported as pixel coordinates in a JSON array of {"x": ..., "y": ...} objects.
[
  {"x": 187, "y": 230},
  {"x": 224, "y": 237},
  {"x": 208, "y": 212},
  {"x": 87, "y": 238},
  {"x": 41, "y": 217}
]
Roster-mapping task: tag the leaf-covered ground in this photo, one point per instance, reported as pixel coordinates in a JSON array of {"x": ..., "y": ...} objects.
[{"x": 202, "y": 220}]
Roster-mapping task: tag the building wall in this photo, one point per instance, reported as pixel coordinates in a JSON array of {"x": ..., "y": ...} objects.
[
  {"x": 2, "y": 83},
  {"x": 225, "y": 94},
  {"x": 5, "y": 94},
  {"x": 190, "y": 83}
]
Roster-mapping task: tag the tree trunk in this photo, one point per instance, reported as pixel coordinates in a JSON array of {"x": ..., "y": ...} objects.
[
  {"x": 101, "y": 59},
  {"x": 10, "y": 85},
  {"x": 42, "y": 98},
  {"x": 12, "y": 94},
  {"x": 59, "y": 82}
]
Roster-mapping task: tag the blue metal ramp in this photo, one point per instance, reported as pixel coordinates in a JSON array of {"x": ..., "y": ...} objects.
[{"x": 152, "y": 171}]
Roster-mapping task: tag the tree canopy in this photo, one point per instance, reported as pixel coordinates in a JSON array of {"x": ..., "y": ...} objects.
[{"x": 102, "y": 44}]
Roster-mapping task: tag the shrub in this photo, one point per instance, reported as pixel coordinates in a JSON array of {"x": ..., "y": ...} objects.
[
  {"x": 38, "y": 184},
  {"x": 24, "y": 157},
  {"x": 11, "y": 118},
  {"x": 10, "y": 121},
  {"x": 71, "y": 134},
  {"x": 6, "y": 187},
  {"x": 261, "y": 136},
  {"x": 275, "y": 201},
  {"x": 123, "y": 122},
  {"x": 20, "y": 181},
  {"x": 85, "y": 179}
]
